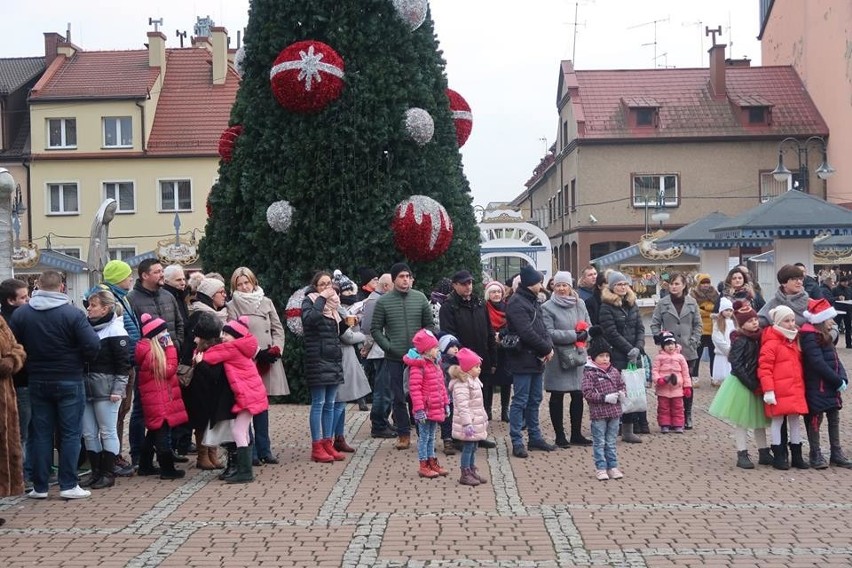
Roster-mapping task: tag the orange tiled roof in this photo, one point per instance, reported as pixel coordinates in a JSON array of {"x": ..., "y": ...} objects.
[
  {"x": 686, "y": 108},
  {"x": 192, "y": 112},
  {"x": 99, "y": 75}
]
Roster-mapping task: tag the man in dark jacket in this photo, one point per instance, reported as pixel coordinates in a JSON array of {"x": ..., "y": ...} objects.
[
  {"x": 526, "y": 363},
  {"x": 465, "y": 316},
  {"x": 13, "y": 295},
  {"x": 399, "y": 314},
  {"x": 811, "y": 283},
  {"x": 842, "y": 293},
  {"x": 58, "y": 340}
]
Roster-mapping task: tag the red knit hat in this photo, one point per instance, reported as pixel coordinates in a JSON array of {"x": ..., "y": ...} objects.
[
  {"x": 424, "y": 340},
  {"x": 819, "y": 311},
  {"x": 743, "y": 312},
  {"x": 151, "y": 326},
  {"x": 237, "y": 328},
  {"x": 468, "y": 359}
]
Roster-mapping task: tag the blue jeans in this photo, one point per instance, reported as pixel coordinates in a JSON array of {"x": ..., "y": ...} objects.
[
  {"x": 339, "y": 418},
  {"x": 400, "y": 402},
  {"x": 25, "y": 415},
  {"x": 524, "y": 408},
  {"x": 136, "y": 431},
  {"x": 99, "y": 426},
  {"x": 322, "y": 411},
  {"x": 261, "y": 446},
  {"x": 426, "y": 440},
  {"x": 604, "y": 433},
  {"x": 382, "y": 397},
  {"x": 467, "y": 455},
  {"x": 56, "y": 404}
]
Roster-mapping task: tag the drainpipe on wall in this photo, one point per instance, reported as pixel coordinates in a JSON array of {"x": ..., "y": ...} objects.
[
  {"x": 26, "y": 164},
  {"x": 141, "y": 106}
]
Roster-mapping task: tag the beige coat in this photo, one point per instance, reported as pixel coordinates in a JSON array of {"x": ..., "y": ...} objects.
[
  {"x": 468, "y": 406},
  {"x": 265, "y": 325}
]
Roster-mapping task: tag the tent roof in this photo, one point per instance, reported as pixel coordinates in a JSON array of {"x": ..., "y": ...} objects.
[
  {"x": 791, "y": 214},
  {"x": 699, "y": 233}
]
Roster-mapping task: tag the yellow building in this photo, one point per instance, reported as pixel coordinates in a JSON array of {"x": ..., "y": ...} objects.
[{"x": 141, "y": 127}]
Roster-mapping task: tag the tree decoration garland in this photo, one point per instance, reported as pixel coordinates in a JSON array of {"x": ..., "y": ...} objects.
[
  {"x": 279, "y": 215},
  {"x": 419, "y": 125},
  {"x": 227, "y": 141},
  {"x": 307, "y": 76},
  {"x": 240, "y": 60},
  {"x": 422, "y": 228},
  {"x": 209, "y": 207},
  {"x": 462, "y": 117},
  {"x": 412, "y": 12},
  {"x": 293, "y": 311}
]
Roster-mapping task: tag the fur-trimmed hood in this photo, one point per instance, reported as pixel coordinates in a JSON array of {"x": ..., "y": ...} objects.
[
  {"x": 610, "y": 297},
  {"x": 708, "y": 295}
]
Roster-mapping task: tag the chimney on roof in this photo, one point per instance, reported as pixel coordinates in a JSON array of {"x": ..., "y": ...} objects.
[
  {"x": 52, "y": 40},
  {"x": 219, "y": 37},
  {"x": 157, "y": 51},
  {"x": 717, "y": 71}
]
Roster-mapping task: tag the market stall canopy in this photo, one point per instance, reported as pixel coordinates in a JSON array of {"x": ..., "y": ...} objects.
[
  {"x": 632, "y": 256},
  {"x": 700, "y": 234}
]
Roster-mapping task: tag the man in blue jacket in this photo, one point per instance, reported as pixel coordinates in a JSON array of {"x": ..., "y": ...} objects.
[{"x": 58, "y": 340}]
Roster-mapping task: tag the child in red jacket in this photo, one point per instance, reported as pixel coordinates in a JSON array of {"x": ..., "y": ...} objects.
[
  {"x": 237, "y": 352},
  {"x": 162, "y": 404},
  {"x": 429, "y": 399},
  {"x": 671, "y": 377}
]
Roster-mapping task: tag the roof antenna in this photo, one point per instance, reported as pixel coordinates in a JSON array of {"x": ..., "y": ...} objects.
[
  {"x": 576, "y": 24},
  {"x": 181, "y": 35},
  {"x": 68, "y": 33},
  {"x": 155, "y": 23},
  {"x": 654, "y": 43}
]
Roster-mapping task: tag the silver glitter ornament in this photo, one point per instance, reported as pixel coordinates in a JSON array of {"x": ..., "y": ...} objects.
[
  {"x": 413, "y": 12},
  {"x": 239, "y": 61},
  {"x": 419, "y": 125},
  {"x": 279, "y": 215}
]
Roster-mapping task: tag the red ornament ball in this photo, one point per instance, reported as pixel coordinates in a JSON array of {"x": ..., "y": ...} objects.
[
  {"x": 307, "y": 76},
  {"x": 422, "y": 228},
  {"x": 227, "y": 141},
  {"x": 462, "y": 117}
]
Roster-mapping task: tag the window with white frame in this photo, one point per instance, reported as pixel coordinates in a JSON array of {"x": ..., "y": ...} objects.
[
  {"x": 124, "y": 194},
  {"x": 62, "y": 199},
  {"x": 122, "y": 253},
  {"x": 72, "y": 252},
  {"x": 770, "y": 187},
  {"x": 61, "y": 132},
  {"x": 118, "y": 132},
  {"x": 175, "y": 195},
  {"x": 655, "y": 190}
]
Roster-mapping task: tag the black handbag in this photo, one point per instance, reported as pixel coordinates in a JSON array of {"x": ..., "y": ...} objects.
[{"x": 512, "y": 341}]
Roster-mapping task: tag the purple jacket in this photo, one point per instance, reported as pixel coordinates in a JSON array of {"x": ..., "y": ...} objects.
[{"x": 597, "y": 383}]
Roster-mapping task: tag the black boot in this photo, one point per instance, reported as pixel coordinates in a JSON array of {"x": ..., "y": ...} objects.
[
  {"x": 95, "y": 463},
  {"x": 837, "y": 457},
  {"x": 107, "y": 474},
  {"x": 231, "y": 468},
  {"x": 576, "y": 415},
  {"x": 687, "y": 413},
  {"x": 642, "y": 426},
  {"x": 244, "y": 473},
  {"x": 167, "y": 466},
  {"x": 764, "y": 456},
  {"x": 743, "y": 461},
  {"x": 796, "y": 456},
  {"x": 488, "y": 400},
  {"x": 815, "y": 457},
  {"x": 555, "y": 407},
  {"x": 146, "y": 462},
  {"x": 779, "y": 457}
]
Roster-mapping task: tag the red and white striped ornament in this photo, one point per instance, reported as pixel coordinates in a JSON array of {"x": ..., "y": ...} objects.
[
  {"x": 422, "y": 228},
  {"x": 462, "y": 117},
  {"x": 293, "y": 311},
  {"x": 227, "y": 141},
  {"x": 307, "y": 76}
]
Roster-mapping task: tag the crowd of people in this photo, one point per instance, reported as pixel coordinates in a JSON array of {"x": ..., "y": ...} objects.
[{"x": 194, "y": 367}]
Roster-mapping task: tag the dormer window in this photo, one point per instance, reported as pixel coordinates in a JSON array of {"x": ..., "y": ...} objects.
[
  {"x": 757, "y": 115},
  {"x": 753, "y": 110},
  {"x": 642, "y": 112},
  {"x": 645, "y": 116}
]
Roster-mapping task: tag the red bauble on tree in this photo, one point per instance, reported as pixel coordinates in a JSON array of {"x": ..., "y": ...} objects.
[
  {"x": 307, "y": 76},
  {"x": 422, "y": 228},
  {"x": 227, "y": 141},
  {"x": 462, "y": 117}
]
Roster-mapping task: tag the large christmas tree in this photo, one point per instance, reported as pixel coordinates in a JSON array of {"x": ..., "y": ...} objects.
[{"x": 343, "y": 113}]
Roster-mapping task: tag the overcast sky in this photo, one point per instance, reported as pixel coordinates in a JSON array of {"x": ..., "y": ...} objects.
[{"x": 502, "y": 55}]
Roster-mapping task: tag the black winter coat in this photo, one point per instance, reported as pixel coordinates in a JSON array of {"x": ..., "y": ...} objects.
[
  {"x": 470, "y": 324},
  {"x": 323, "y": 357},
  {"x": 160, "y": 304},
  {"x": 743, "y": 358},
  {"x": 824, "y": 372},
  {"x": 622, "y": 325},
  {"x": 523, "y": 316},
  {"x": 208, "y": 398}
]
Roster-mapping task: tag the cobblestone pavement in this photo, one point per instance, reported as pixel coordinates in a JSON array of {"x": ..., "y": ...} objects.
[{"x": 682, "y": 503}]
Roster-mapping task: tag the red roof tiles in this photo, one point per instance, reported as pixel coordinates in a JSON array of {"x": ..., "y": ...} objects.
[
  {"x": 192, "y": 112},
  {"x": 99, "y": 75},
  {"x": 686, "y": 107}
]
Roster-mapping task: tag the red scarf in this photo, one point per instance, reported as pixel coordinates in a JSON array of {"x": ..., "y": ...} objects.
[{"x": 496, "y": 315}]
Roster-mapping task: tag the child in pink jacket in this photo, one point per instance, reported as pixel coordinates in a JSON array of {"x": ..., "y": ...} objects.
[
  {"x": 670, "y": 374},
  {"x": 429, "y": 399},
  {"x": 470, "y": 422},
  {"x": 237, "y": 352}
]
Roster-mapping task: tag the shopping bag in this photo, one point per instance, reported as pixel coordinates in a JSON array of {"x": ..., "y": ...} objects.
[{"x": 634, "y": 381}]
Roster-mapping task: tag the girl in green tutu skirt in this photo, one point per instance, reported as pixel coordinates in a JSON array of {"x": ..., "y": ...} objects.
[{"x": 740, "y": 399}]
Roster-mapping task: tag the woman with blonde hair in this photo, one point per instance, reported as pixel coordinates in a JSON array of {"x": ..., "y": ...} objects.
[{"x": 248, "y": 299}]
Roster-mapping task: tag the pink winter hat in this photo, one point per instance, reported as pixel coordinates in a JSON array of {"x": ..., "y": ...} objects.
[
  {"x": 151, "y": 326},
  {"x": 424, "y": 340},
  {"x": 237, "y": 328},
  {"x": 468, "y": 359}
]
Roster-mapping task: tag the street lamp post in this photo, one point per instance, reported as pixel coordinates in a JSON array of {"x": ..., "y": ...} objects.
[
  {"x": 823, "y": 171},
  {"x": 660, "y": 215}
]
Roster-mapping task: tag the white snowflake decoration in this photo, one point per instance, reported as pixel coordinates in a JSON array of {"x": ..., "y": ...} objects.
[
  {"x": 413, "y": 12},
  {"x": 422, "y": 207},
  {"x": 279, "y": 215},
  {"x": 240, "y": 60},
  {"x": 419, "y": 125}
]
